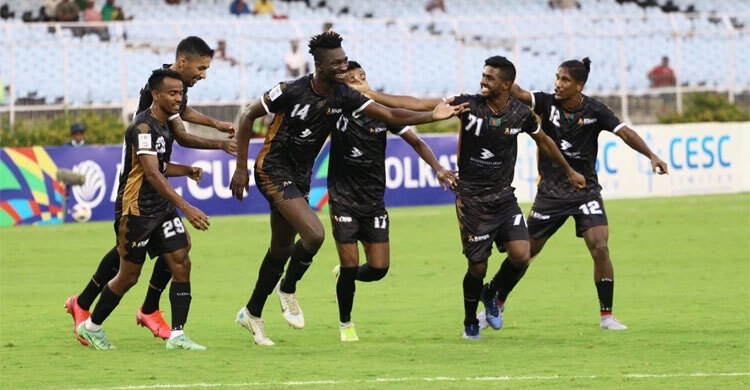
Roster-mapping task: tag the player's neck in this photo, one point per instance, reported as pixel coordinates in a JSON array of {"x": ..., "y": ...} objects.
[
  {"x": 319, "y": 86},
  {"x": 498, "y": 104},
  {"x": 158, "y": 114},
  {"x": 573, "y": 102}
]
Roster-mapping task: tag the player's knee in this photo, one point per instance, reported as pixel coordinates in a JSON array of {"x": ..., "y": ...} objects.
[
  {"x": 314, "y": 240},
  {"x": 379, "y": 273},
  {"x": 478, "y": 270},
  {"x": 181, "y": 270}
]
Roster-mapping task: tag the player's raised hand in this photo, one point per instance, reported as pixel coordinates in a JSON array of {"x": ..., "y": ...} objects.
[
  {"x": 448, "y": 179},
  {"x": 230, "y": 146},
  {"x": 227, "y": 127},
  {"x": 360, "y": 84},
  {"x": 240, "y": 183},
  {"x": 444, "y": 110},
  {"x": 658, "y": 166},
  {"x": 195, "y": 173},
  {"x": 196, "y": 217},
  {"x": 577, "y": 180}
]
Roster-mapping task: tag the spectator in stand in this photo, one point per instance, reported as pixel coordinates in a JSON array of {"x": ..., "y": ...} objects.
[
  {"x": 6, "y": 13},
  {"x": 662, "y": 75},
  {"x": 435, "y": 6},
  {"x": 263, "y": 7},
  {"x": 50, "y": 10},
  {"x": 239, "y": 7},
  {"x": 77, "y": 135},
  {"x": 112, "y": 12},
  {"x": 296, "y": 62},
  {"x": 220, "y": 53},
  {"x": 92, "y": 15},
  {"x": 67, "y": 11},
  {"x": 564, "y": 4}
]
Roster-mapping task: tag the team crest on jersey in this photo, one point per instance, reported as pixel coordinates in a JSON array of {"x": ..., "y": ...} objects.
[
  {"x": 321, "y": 103},
  {"x": 586, "y": 121},
  {"x": 509, "y": 131},
  {"x": 495, "y": 122},
  {"x": 144, "y": 141},
  {"x": 569, "y": 115}
]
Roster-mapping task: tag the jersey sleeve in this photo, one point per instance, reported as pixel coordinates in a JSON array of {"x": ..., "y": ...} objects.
[
  {"x": 530, "y": 124},
  {"x": 398, "y": 129},
  {"x": 353, "y": 101},
  {"x": 143, "y": 139},
  {"x": 540, "y": 102},
  {"x": 277, "y": 98},
  {"x": 608, "y": 120}
]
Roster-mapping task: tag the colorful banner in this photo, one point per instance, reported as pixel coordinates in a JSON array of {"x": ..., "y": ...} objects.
[{"x": 703, "y": 159}]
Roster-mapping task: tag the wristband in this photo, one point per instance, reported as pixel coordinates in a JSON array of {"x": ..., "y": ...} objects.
[{"x": 177, "y": 115}]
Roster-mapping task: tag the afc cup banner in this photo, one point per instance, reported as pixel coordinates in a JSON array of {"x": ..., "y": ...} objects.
[{"x": 705, "y": 158}]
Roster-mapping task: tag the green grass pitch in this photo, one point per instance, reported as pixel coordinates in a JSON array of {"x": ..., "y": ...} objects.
[{"x": 682, "y": 267}]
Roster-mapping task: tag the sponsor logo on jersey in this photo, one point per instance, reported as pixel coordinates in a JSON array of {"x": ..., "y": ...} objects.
[
  {"x": 586, "y": 121},
  {"x": 140, "y": 244},
  {"x": 342, "y": 218},
  {"x": 510, "y": 131},
  {"x": 376, "y": 130},
  {"x": 495, "y": 122},
  {"x": 356, "y": 152},
  {"x": 486, "y": 154},
  {"x": 305, "y": 133},
  {"x": 565, "y": 145},
  {"x": 536, "y": 215},
  {"x": 333, "y": 111},
  {"x": 478, "y": 238}
]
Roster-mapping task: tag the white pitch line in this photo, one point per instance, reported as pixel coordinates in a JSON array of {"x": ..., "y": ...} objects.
[{"x": 429, "y": 379}]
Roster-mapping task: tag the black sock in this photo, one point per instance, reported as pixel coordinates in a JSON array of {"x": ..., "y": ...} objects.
[
  {"x": 605, "y": 288},
  {"x": 298, "y": 264},
  {"x": 268, "y": 275},
  {"x": 179, "y": 297},
  {"x": 107, "y": 270},
  {"x": 345, "y": 288},
  {"x": 506, "y": 279},
  {"x": 107, "y": 302},
  {"x": 369, "y": 274},
  {"x": 472, "y": 289},
  {"x": 159, "y": 279}
]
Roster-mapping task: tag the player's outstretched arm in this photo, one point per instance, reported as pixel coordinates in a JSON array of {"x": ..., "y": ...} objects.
[
  {"x": 447, "y": 178},
  {"x": 521, "y": 94},
  {"x": 175, "y": 170},
  {"x": 637, "y": 143},
  {"x": 407, "y": 117},
  {"x": 547, "y": 146},
  {"x": 394, "y": 101},
  {"x": 194, "y": 142},
  {"x": 193, "y": 116},
  {"x": 150, "y": 164},
  {"x": 240, "y": 179}
]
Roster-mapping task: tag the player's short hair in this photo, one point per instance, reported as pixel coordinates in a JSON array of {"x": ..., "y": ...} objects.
[
  {"x": 193, "y": 46},
  {"x": 506, "y": 68},
  {"x": 579, "y": 70},
  {"x": 353, "y": 65},
  {"x": 156, "y": 80},
  {"x": 324, "y": 41}
]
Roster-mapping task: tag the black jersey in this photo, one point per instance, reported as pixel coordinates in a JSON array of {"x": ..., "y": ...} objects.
[
  {"x": 302, "y": 122},
  {"x": 145, "y": 100},
  {"x": 356, "y": 166},
  {"x": 135, "y": 195},
  {"x": 488, "y": 147},
  {"x": 575, "y": 133}
]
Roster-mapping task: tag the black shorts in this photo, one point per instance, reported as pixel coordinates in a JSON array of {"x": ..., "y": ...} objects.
[
  {"x": 352, "y": 224},
  {"x": 278, "y": 190},
  {"x": 549, "y": 214},
  {"x": 138, "y": 235},
  {"x": 483, "y": 223}
]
